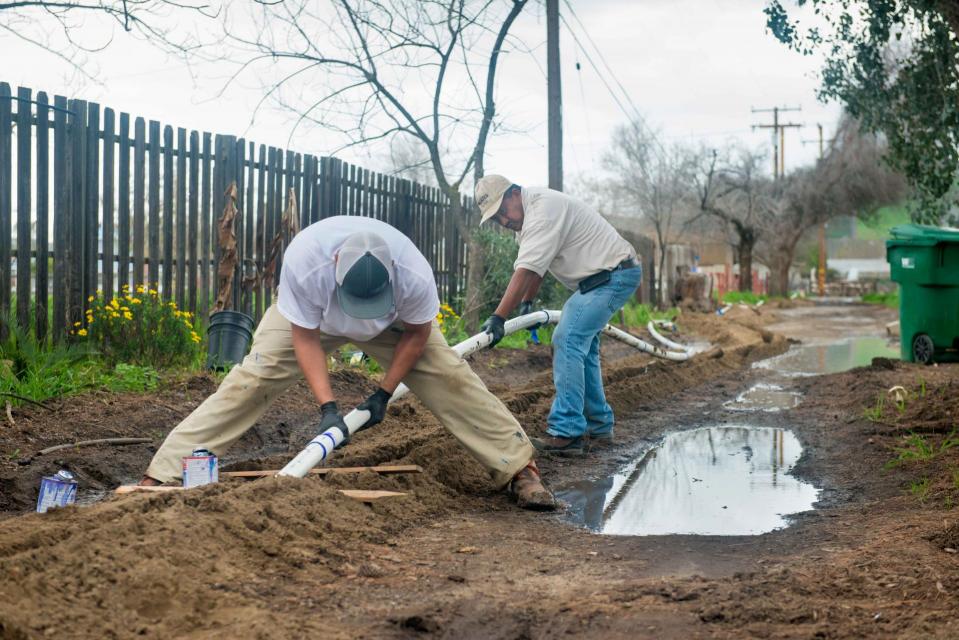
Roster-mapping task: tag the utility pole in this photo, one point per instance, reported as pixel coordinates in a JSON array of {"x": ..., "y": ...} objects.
[
  {"x": 821, "y": 279},
  {"x": 554, "y": 111},
  {"x": 779, "y": 137}
]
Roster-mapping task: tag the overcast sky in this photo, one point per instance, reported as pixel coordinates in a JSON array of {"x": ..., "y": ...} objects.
[{"x": 693, "y": 68}]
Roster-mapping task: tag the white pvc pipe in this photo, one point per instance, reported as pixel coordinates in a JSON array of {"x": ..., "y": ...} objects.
[
  {"x": 666, "y": 342},
  {"x": 320, "y": 447}
]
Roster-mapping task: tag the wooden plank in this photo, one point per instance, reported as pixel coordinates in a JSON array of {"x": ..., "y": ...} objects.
[
  {"x": 166, "y": 224},
  {"x": 153, "y": 222},
  {"x": 205, "y": 217},
  {"x": 6, "y": 203},
  {"x": 61, "y": 145},
  {"x": 237, "y": 159},
  {"x": 306, "y": 207},
  {"x": 194, "y": 222},
  {"x": 76, "y": 171},
  {"x": 24, "y": 202},
  {"x": 271, "y": 180},
  {"x": 108, "y": 178},
  {"x": 298, "y": 171},
  {"x": 123, "y": 201},
  {"x": 278, "y": 200},
  {"x": 43, "y": 215},
  {"x": 139, "y": 200},
  {"x": 249, "y": 233},
  {"x": 365, "y": 495},
  {"x": 91, "y": 200},
  {"x": 384, "y": 470},
  {"x": 361, "y": 495},
  {"x": 260, "y": 231},
  {"x": 181, "y": 237}
]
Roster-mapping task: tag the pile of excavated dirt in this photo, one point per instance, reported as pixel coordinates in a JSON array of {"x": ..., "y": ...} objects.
[{"x": 168, "y": 565}]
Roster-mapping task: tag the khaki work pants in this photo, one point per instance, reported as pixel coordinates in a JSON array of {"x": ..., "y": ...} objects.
[{"x": 440, "y": 379}]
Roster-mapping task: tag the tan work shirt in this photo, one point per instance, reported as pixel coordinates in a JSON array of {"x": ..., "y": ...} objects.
[{"x": 566, "y": 237}]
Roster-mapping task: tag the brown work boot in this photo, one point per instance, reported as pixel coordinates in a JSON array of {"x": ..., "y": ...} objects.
[
  {"x": 572, "y": 447},
  {"x": 528, "y": 490}
]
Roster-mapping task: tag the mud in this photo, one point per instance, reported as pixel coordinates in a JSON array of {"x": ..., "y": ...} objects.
[{"x": 289, "y": 558}]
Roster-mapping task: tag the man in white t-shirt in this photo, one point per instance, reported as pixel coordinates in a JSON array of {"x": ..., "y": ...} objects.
[
  {"x": 358, "y": 280},
  {"x": 562, "y": 235}
]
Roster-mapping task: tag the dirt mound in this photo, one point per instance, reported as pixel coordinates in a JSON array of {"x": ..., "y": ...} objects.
[{"x": 169, "y": 565}]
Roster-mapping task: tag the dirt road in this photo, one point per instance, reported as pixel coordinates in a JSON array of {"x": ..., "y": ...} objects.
[{"x": 287, "y": 558}]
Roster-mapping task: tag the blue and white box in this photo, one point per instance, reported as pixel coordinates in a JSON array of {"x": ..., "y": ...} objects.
[
  {"x": 200, "y": 468},
  {"x": 57, "y": 491}
]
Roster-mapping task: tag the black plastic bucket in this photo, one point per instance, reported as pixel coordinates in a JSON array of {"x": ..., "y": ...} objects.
[{"x": 229, "y": 336}]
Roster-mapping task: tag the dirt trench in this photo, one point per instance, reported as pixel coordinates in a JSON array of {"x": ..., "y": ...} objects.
[{"x": 285, "y": 558}]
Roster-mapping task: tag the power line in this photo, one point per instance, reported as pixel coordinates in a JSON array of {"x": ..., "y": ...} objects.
[{"x": 636, "y": 115}]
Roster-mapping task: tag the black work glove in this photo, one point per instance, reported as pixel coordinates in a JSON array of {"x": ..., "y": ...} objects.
[
  {"x": 526, "y": 307},
  {"x": 494, "y": 326},
  {"x": 376, "y": 405},
  {"x": 330, "y": 417}
]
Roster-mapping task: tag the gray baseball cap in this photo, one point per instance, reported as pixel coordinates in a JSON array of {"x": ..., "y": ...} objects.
[{"x": 365, "y": 276}]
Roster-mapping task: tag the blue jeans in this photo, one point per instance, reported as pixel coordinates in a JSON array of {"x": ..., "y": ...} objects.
[{"x": 580, "y": 405}]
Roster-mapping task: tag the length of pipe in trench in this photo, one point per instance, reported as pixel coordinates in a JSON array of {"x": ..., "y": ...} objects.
[{"x": 320, "y": 447}]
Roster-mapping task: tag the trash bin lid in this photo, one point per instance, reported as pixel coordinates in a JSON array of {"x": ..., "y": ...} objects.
[{"x": 921, "y": 235}]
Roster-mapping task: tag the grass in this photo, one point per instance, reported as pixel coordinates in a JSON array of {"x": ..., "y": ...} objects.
[
  {"x": 744, "y": 297},
  {"x": 918, "y": 449},
  {"x": 920, "y": 489},
  {"x": 890, "y": 300}
]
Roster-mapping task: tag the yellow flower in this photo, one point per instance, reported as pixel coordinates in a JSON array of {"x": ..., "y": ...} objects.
[
  {"x": 136, "y": 301},
  {"x": 188, "y": 324},
  {"x": 90, "y": 299},
  {"x": 128, "y": 315},
  {"x": 115, "y": 304},
  {"x": 153, "y": 292},
  {"x": 82, "y": 332},
  {"x": 77, "y": 324},
  {"x": 124, "y": 308},
  {"x": 140, "y": 288}
]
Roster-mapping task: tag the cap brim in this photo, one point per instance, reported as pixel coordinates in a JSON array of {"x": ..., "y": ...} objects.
[
  {"x": 366, "y": 308},
  {"x": 491, "y": 210}
]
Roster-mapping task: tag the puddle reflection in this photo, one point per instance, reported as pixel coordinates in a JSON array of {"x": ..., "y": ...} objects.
[
  {"x": 710, "y": 481},
  {"x": 764, "y": 397},
  {"x": 834, "y": 357}
]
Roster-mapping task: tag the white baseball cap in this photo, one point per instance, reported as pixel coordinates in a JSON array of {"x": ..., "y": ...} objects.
[
  {"x": 489, "y": 194},
  {"x": 365, "y": 276}
]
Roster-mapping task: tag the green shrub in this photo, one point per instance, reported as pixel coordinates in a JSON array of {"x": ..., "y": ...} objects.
[
  {"x": 139, "y": 328},
  {"x": 499, "y": 254},
  {"x": 745, "y": 297},
  {"x": 890, "y": 300}
]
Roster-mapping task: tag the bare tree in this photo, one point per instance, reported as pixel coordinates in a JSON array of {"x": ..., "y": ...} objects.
[
  {"x": 70, "y": 28},
  {"x": 656, "y": 181},
  {"x": 374, "y": 70},
  {"x": 733, "y": 191},
  {"x": 851, "y": 179}
]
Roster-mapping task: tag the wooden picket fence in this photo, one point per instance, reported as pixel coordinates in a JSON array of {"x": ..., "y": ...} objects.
[{"x": 132, "y": 202}]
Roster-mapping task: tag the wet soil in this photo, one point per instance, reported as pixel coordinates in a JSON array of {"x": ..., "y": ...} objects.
[{"x": 282, "y": 558}]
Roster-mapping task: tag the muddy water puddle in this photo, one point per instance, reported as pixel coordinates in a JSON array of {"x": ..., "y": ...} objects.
[
  {"x": 722, "y": 480},
  {"x": 764, "y": 397},
  {"x": 832, "y": 357}
]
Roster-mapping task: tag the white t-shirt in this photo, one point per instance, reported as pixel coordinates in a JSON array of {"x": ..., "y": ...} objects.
[
  {"x": 307, "y": 291},
  {"x": 566, "y": 237}
]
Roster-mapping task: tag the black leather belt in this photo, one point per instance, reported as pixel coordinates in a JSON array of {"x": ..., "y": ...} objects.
[{"x": 600, "y": 278}]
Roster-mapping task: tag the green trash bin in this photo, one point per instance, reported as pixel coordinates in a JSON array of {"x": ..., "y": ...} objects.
[{"x": 924, "y": 261}]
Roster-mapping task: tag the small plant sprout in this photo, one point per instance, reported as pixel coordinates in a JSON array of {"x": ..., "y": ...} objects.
[
  {"x": 920, "y": 489},
  {"x": 874, "y": 414}
]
